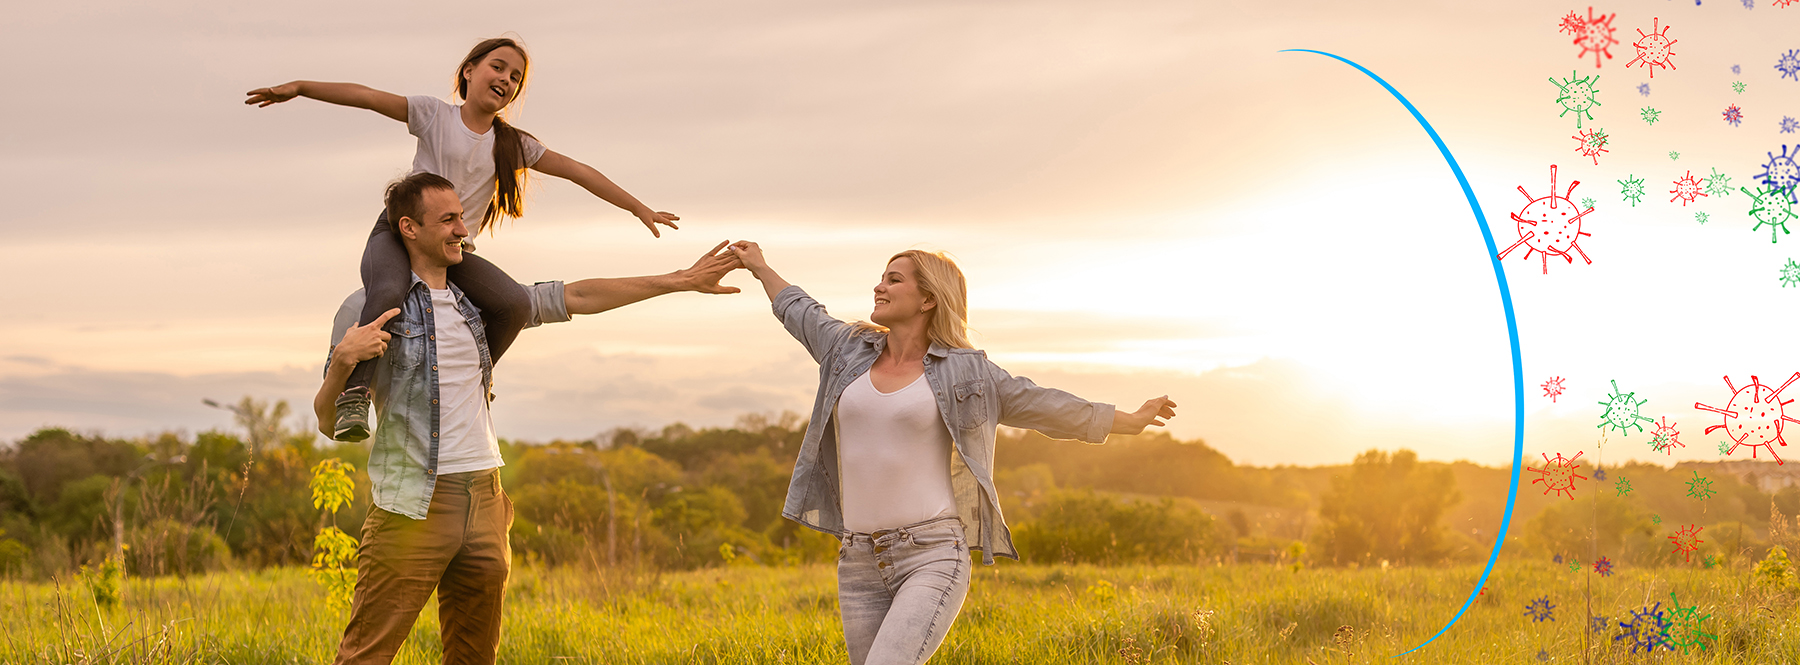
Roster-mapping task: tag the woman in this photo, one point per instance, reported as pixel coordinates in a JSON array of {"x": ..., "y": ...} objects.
[
  {"x": 485, "y": 158},
  {"x": 898, "y": 459}
]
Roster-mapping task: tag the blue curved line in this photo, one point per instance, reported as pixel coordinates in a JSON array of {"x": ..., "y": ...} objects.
[{"x": 1512, "y": 332}]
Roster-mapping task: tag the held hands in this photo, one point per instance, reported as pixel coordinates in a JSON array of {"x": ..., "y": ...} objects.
[
  {"x": 364, "y": 342},
  {"x": 705, "y": 274},
  {"x": 751, "y": 256},
  {"x": 651, "y": 219},
  {"x": 1145, "y": 416},
  {"x": 274, "y": 95}
]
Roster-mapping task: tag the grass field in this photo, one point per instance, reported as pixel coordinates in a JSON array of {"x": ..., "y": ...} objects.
[{"x": 1014, "y": 614}]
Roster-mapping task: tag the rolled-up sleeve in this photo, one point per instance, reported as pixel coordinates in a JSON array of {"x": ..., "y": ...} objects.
[
  {"x": 549, "y": 303},
  {"x": 1058, "y": 414},
  {"x": 807, "y": 321}
]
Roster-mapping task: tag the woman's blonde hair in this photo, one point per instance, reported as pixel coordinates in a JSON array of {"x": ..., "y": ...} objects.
[{"x": 942, "y": 282}]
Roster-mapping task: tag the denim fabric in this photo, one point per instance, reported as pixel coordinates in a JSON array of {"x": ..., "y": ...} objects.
[
  {"x": 899, "y": 590},
  {"x": 974, "y": 395}
]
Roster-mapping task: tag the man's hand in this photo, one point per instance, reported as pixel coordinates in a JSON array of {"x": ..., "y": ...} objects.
[
  {"x": 364, "y": 342},
  {"x": 705, "y": 274},
  {"x": 1145, "y": 416}
]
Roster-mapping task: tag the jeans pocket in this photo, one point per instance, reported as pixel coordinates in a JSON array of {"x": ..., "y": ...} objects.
[{"x": 935, "y": 539}]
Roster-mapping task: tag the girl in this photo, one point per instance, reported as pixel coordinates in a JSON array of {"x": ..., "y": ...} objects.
[
  {"x": 472, "y": 146},
  {"x": 897, "y": 461}
]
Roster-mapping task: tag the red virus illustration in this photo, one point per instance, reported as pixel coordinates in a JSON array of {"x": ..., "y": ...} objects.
[
  {"x": 1559, "y": 474},
  {"x": 1590, "y": 143},
  {"x": 1733, "y": 115},
  {"x": 1665, "y": 438},
  {"x": 1687, "y": 542},
  {"x": 1754, "y": 416},
  {"x": 1604, "y": 566},
  {"x": 1555, "y": 225},
  {"x": 1593, "y": 34},
  {"x": 1553, "y": 387},
  {"x": 1653, "y": 48},
  {"x": 1687, "y": 189}
]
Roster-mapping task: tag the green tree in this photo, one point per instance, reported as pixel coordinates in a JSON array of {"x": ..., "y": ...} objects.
[{"x": 1387, "y": 508}]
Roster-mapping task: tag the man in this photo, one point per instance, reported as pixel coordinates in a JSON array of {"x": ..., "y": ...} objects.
[{"x": 440, "y": 518}]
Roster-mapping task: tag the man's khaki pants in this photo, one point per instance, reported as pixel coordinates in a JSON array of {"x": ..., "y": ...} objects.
[{"x": 459, "y": 549}]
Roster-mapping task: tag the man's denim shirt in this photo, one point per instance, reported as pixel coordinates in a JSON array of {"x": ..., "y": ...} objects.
[
  {"x": 403, "y": 454},
  {"x": 974, "y": 396}
]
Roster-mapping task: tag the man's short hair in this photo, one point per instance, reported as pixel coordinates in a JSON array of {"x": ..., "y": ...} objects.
[{"x": 406, "y": 196}]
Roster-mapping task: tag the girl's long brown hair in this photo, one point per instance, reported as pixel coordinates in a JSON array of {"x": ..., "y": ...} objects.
[{"x": 509, "y": 141}]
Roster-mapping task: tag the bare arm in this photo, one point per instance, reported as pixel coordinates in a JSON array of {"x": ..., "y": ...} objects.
[
  {"x": 360, "y": 343},
  {"x": 592, "y": 296},
  {"x": 556, "y": 164},
  {"x": 752, "y": 257},
  {"x": 343, "y": 94}
]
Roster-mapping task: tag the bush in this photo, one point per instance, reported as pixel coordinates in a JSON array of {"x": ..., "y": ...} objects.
[
  {"x": 1081, "y": 526},
  {"x": 167, "y": 547}
]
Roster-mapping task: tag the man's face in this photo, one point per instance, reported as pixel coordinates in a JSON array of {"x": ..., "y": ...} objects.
[{"x": 437, "y": 236}]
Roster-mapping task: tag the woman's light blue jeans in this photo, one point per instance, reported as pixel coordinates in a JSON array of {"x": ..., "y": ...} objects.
[{"x": 900, "y": 589}]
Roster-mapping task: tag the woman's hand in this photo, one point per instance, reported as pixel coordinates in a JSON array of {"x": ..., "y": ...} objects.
[
  {"x": 651, "y": 219},
  {"x": 1145, "y": 416},
  {"x": 275, "y": 95},
  {"x": 752, "y": 257}
]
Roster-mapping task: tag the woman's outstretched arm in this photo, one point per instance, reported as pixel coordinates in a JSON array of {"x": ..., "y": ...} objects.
[
  {"x": 343, "y": 94},
  {"x": 561, "y": 166}
]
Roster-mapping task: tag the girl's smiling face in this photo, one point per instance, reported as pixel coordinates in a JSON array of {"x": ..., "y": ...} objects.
[{"x": 495, "y": 80}]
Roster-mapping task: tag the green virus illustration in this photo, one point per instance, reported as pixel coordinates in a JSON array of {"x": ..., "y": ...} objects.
[
  {"x": 1623, "y": 487},
  {"x": 1559, "y": 474},
  {"x": 1685, "y": 624},
  {"x": 1587, "y": 202},
  {"x": 1790, "y": 274},
  {"x": 1738, "y": 86},
  {"x": 1718, "y": 184},
  {"x": 1574, "y": 565},
  {"x": 1701, "y": 217},
  {"x": 1665, "y": 438},
  {"x": 1723, "y": 450},
  {"x": 1656, "y": 519},
  {"x": 1577, "y": 95},
  {"x": 1632, "y": 189},
  {"x": 1650, "y": 115},
  {"x": 1674, "y": 155},
  {"x": 1772, "y": 207},
  {"x": 1710, "y": 562},
  {"x": 1621, "y": 412},
  {"x": 1699, "y": 487}
]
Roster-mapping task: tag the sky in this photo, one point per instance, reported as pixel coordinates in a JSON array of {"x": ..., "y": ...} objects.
[{"x": 1147, "y": 199}]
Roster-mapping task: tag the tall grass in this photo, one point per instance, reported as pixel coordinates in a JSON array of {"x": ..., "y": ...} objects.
[{"x": 1014, "y": 614}]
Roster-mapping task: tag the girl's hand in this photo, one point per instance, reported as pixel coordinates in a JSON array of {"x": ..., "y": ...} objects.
[
  {"x": 1145, "y": 416},
  {"x": 751, "y": 255},
  {"x": 265, "y": 96},
  {"x": 651, "y": 219}
]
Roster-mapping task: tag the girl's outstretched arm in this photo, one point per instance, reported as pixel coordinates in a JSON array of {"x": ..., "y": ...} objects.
[
  {"x": 342, "y": 94},
  {"x": 556, "y": 164}
]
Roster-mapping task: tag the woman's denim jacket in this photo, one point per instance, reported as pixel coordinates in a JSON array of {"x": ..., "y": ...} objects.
[{"x": 974, "y": 396}]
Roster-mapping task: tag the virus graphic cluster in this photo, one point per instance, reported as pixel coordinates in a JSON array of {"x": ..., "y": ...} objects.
[
  {"x": 1684, "y": 625},
  {"x": 1647, "y": 630},
  {"x": 1593, "y": 34},
  {"x": 1559, "y": 475},
  {"x": 1702, "y": 217},
  {"x": 1653, "y": 48},
  {"x": 1674, "y": 155},
  {"x": 1782, "y": 172},
  {"x": 1540, "y": 610},
  {"x": 1644, "y": 89},
  {"x": 1775, "y": 210},
  {"x": 1734, "y": 116},
  {"x": 1556, "y": 225},
  {"x": 1588, "y": 202},
  {"x": 1604, "y": 566},
  {"x": 1577, "y": 95},
  {"x": 1632, "y": 189},
  {"x": 1599, "y": 474},
  {"x": 1623, "y": 486},
  {"x": 1699, "y": 487},
  {"x": 1596, "y": 624},
  {"x": 1665, "y": 438},
  {"x": 1590, "y": 143},
  {"x": 1553, "y": 387},
  {"x": 1687, "y": 188},
  {"x": 1621, "y": 412},
  {"x": 1718, "y": 184},
  {"x": 1789, "y": 124},
  {"x": 1650, "y": 115},
  {"x": 1789, "y": 65},
  {"x": 1687, "y": 542},
  {"x": 1738, "y": 87},
  {"x": 1790, "y": 274},
  {"x": 1754, "y": 416},
  {"x": 1656, "y": 519}
]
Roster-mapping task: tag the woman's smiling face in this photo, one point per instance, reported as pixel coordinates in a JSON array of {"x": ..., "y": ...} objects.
[{"x": 898, "y": 297}]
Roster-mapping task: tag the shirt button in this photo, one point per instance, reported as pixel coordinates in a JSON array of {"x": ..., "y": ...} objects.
[
  {"x": 434, "y": 435},
  {"x": 434, "y": 368},
  {"x": 428, "y": 310},
  {"x": 434, "y": 338},
  {"x": 434, "y": 401},
  {"x": 409, "y": 331}
]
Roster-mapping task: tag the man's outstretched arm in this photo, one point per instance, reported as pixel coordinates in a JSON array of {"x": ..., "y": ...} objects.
[{"x": 592, "y": 296}]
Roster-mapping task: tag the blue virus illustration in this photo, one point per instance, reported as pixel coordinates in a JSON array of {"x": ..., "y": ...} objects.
[
  {"x": 1644, "y": 89},
  {"x": 1789, "y": 65},
  {"x": 1604, "y": 566},
  {"x": 1789, "y": 124},
  {"x": 1734, "y": 116},
  {"x": 1577, "y": 95},
  {"x": 1781, "y": 172},
  {"x": 1771, "y": 207},
  {"x": 1599, "y": 474},
  {"x": 1622, "y": 412},
  {"x": 1647, "y": 629},
  {"x": 1540, "y": 610}
]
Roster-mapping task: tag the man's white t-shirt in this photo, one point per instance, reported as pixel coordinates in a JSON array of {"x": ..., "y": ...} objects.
[
  {"x": 468, "y": 442},
  {"x": 448, "y": 148}
]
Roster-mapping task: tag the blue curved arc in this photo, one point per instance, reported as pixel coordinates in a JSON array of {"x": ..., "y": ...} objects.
[{"x": 1512, "y": 332}]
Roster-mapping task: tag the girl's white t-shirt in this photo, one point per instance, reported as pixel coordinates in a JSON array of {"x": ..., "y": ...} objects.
[
  {"x": 448, "y": 148},
  {"x": 894, "y": 456},
  {"x": 467, "y": 441}
]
